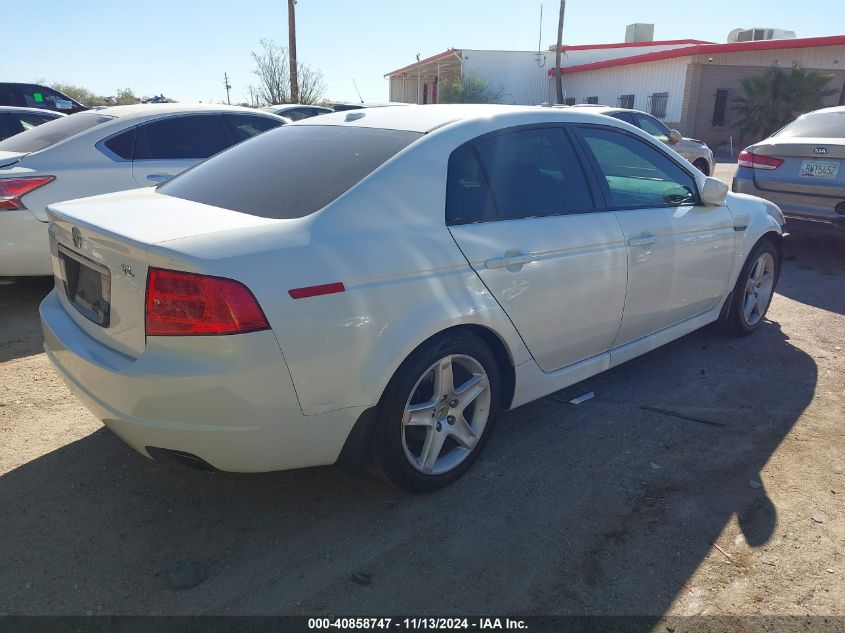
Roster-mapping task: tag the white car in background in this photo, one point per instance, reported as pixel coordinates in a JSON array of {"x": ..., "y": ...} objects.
[
  {"x": 296, "y": 111},
  {"x": 444, "y": 263},
  {"x": 14, "y": 120},
  {"x": 100, "y": 151}
]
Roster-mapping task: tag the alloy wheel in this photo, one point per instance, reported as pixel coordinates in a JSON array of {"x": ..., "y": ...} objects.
[{"x": 758, "y": 289}]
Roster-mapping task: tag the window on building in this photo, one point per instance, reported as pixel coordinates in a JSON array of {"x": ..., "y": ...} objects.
[
  {"x": 570, "y": 101},
  {"x": 592, "y": 100},
  {"x": 720, "y": 108},
  {"x": 626, "y": 101},
  {"x": 657, "y": 104}
]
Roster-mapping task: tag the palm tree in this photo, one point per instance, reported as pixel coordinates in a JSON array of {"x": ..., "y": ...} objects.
[{"x": 776, "y": 97}]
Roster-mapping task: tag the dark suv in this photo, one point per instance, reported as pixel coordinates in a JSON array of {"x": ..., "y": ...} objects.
[{"x": 37, "y": 96}]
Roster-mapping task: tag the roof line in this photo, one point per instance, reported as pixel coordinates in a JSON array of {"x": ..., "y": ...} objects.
[
  {"x": 590, "y": 47},
  {"x": 707, "y": 49},
  {"x": 433, "y": 58}
]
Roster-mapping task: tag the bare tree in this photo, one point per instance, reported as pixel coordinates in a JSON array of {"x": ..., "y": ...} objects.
[{"x": 272, "y": 68}]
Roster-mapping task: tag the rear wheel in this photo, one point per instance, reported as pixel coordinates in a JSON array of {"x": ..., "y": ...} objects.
[
  {"x": 702, "y": 166},
  {"x": 437, "y": 413},
  {"x": 754, "y": 289}
]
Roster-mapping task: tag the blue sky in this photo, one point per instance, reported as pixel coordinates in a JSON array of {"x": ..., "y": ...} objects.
[{"x": 183, "y": 47}]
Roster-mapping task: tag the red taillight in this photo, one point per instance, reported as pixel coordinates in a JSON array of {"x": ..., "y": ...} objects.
[
  {"x": 185, "y": 304},
  {"x": 757, "y": 161},
  {"x": 13, "y": 189}
]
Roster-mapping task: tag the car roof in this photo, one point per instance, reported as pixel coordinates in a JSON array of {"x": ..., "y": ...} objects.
[
  {"x": 288, "y": 106},
  {"x": 425, "y": 118},
  {"x": 148, "y": 109},
  {"x": 4, "y": 108}
]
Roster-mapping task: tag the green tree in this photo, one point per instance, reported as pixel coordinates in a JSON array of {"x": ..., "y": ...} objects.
[
  {"x": 776, "y": 97},
  {"x": 471, "y": 89},
  {"x": 126, "y": 97},
  {"x": 83, "y": 95}
]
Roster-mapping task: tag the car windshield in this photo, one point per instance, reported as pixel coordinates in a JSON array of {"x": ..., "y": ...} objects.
[
  {"x": 52, "y": 132},
  {"x": 816, "y": 124},
  {"x": 289, "y": 172}
]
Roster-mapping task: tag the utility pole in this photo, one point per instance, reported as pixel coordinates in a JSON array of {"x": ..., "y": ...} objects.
[
  {"x": 558, "y": 72},
  {"x": 227, "y": 86},
  {"x": 294, "y": 83}
]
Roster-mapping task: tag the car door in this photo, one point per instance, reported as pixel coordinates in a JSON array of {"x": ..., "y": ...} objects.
[
  {"x": 168, "y": 146},
  {"x": 680, "y": 252},
  {"x": 521, "y": 207}
]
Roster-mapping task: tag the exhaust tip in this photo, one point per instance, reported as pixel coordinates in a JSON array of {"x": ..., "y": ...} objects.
[{"x": 186, "y": 459}]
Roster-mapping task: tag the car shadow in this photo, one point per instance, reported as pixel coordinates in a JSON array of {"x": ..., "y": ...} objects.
[
  {"x": 599, "y": 508},
  {"x": 813, "y": 272},
  {"x": 20, "y": 326}
]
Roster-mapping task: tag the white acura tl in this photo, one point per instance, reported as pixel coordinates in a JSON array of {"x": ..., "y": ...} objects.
[{"x": 380, "y": 284}]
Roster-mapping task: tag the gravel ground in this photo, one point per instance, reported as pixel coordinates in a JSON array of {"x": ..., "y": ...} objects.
[{"x": 599, "y": 508}]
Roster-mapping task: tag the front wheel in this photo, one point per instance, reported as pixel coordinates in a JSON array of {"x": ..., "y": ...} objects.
[
  {"x": 754, "y": 289},
  {"x": 437, "y": 413}
]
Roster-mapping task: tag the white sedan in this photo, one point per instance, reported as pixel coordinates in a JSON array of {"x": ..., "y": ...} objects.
[
  {"x": 445, "y": 263},
  {"x": 101, "y": 151}
]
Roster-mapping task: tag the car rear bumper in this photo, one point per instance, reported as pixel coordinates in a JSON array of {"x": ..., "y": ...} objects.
[
  {"x": 24, "y": 245},
  {"x": 228, "y": 400},
  {"x": 804, "y": 214}
]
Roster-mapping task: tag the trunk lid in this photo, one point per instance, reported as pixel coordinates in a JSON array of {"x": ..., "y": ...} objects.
[
  {"x": 811, "y": 166},
  {"x": 100, "y": 250},
  {"x": 10, "y": 158}
]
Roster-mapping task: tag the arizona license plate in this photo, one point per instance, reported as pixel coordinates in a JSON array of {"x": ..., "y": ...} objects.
[{"x": 820, "y": 168}]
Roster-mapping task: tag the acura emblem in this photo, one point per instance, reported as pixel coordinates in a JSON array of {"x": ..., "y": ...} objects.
[
  {"x": 820, "y": 150},
  {"x": 77, "y": 237}
]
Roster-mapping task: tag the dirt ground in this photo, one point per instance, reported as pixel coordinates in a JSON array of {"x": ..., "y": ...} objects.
[{"x": 599, "y": 508}]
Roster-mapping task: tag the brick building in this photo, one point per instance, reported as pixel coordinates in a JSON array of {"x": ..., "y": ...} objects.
[{"x": 689, "y": 84}]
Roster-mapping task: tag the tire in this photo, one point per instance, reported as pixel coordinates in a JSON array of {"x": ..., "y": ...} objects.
[
  {"x": 414, "y": 417},
  {"x": 702, "y": 166},
  {"x": 754, "y": 288}
]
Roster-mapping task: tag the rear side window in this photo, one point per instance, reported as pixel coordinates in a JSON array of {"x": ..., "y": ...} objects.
[
  {"x": 637, "y": 174},
  {"x": 191, "y": 136},
  {"x": 297, "y": 114},
  {"x": 816, "y": 124},
  {"x": 122, "y": 144},
  {"x": 289, "y": 172},
  {"x": 30, "y": 120},
  {"x": 467, "y": 194},
  {"x": 534, "y": 172},
  {"x": 246, "y": 126},
  {"x": 53, "y": 132}
]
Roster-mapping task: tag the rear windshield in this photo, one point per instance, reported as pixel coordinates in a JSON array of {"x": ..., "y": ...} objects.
[
  {"x": 52, "y": 132},
  {"x": 816, "y": 124},
  {"x": 289, "y": 172}
]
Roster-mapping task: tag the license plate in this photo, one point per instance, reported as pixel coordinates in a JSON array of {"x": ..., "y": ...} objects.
[
  {"x": 820, "y": 168},
  {"x": 87, "y": 286}
]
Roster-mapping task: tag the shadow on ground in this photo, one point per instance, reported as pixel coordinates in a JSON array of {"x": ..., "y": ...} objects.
[
  {"x": 599, "y": 508},
  {"x": 20, "y": 329},
  {"x": 814, "y": 272}
]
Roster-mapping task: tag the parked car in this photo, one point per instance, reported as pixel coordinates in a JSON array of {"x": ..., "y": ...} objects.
[
  {"x": 16, "y": 120},
  {"x": 38, "y": 96},
  {"x": 297, "y": 111},
  {"x": 87, "y": 153},
  {"x": 800, "y": 168},
  {"x": 444, "y": 263},
  {"x": 693, "y": 150}
]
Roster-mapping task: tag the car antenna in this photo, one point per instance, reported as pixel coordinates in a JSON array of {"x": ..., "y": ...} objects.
[{"x": 358, "y": 91}]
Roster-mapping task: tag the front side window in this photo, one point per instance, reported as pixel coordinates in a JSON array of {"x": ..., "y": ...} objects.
[
  {"x": 30, "y": 120},
  {"x": 296, "y": 114},
  {"x": 181, "y": 137},
  {"x": 534, "y": 172},
  {"x": 289, "y": 172},
  {"x": 246, "y": 126},
  {"x": 652, "y": 126},
  {"x": 638, "y": 174},
  {"x": 53, "y": 132}
]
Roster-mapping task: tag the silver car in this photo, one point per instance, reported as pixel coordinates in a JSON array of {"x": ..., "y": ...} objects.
[
  {"x": 800, "y": 168},
  {"x": 693, "y": 150}
]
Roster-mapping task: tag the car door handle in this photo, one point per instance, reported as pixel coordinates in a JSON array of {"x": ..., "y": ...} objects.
[
  {"x": 643, "y": 240},
  {"x": 513, "y": 260},
  {"x": 159, "y": 177}
]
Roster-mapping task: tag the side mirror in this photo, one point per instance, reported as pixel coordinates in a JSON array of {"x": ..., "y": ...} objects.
[
  {"x": 713, "y": 192},
  {"x": 675, "y": 136}
]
